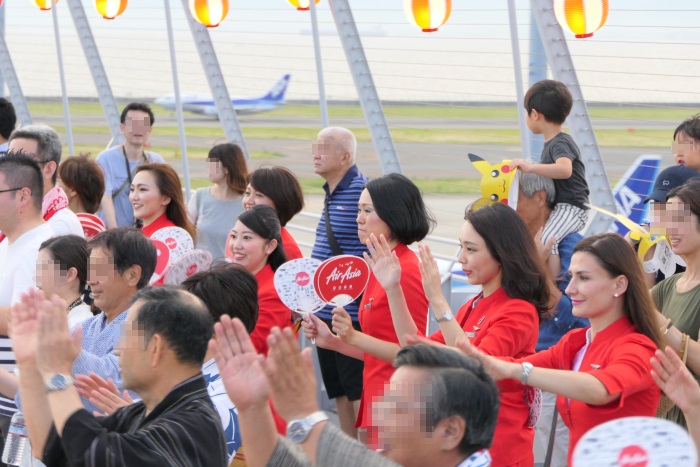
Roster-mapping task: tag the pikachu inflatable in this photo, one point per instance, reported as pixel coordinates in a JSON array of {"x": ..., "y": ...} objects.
[{"x": 498, "y": 182}]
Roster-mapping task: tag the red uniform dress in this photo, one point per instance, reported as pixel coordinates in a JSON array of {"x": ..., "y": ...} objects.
[
  {"x": 272, "y": 312},
  {"x": 619, "y": 357},
  {"x": 159, "y": 223},
  {"x": 291, "y": 249},
  {"x": 502, "y": 326},
  {"x": 375, "y": 320}
]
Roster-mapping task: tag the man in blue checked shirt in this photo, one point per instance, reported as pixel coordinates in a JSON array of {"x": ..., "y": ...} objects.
[
  {"x": 122, "y": 261},
  {"x": 336, "y": 234}
]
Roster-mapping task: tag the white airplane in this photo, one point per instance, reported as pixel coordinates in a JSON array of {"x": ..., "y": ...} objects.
[{"x": 204, "y": 104}]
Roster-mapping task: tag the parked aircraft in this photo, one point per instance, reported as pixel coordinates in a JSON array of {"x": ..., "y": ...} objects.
[{"x": 204, "y": 104}]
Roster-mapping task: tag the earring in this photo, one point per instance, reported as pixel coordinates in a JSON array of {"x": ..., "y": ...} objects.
[{"x": 616, "y": 295}]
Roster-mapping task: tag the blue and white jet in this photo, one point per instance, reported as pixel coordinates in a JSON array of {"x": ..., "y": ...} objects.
[{"x": 204, "y": 104}]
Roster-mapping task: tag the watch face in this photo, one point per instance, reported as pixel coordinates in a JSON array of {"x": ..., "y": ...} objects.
[
  {"x": 297, "y": 432},
  {"x": 58, "y": 382}
]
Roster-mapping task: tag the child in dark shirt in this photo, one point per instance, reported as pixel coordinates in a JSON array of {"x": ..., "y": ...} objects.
[{"x": 548, "y": 103}]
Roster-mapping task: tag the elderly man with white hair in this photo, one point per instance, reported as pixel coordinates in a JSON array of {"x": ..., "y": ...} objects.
[{"x": 336, "y": 234}]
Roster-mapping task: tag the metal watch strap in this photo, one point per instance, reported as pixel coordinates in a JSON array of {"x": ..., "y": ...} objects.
[{"x": 527, "y": 368}]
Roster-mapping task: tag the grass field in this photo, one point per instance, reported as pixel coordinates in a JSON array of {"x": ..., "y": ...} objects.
[{"x": 648, "y": 112}]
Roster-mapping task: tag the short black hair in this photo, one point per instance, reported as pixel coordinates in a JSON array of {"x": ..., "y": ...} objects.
[
  {"x": 262, "y": 220},
  {"x": 20, "y": 171},
  {"x": 227, "y": 289},
  {"x": 550, "y": 98},
  {"x": 180, "y": 317},
  {"x": 8, "y": 118},
  {"x": 459, "y": 386},
  {"x": 141, "y": 106},
  {"x": 49, "y": 146},
  {"x": 689, "y": 127},
  {"x": 399, "y": 203},
  {"x": 282, "y": 187},
  {"x": 128, "y": 247}
]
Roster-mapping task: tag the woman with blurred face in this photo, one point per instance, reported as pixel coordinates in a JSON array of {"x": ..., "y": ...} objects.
[
  {"x": 214, "y": 209},
  {"x": 278, "y": 188},
  {"x": 678, "y": 297}
]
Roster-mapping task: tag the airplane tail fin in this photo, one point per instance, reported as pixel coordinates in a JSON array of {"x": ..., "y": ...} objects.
[
  {"x": 633, "y": 188},
  {"x": 278, "y": 90}
]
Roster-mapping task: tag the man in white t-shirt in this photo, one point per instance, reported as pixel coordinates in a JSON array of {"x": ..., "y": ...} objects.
[
  {"x": 21, "y": 189},
  {"x": 43, "y": 144}
]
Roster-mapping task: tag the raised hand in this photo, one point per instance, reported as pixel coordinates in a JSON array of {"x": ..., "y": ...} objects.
[
  {"x": 342, "y": 326},
  {"x": 102, "y": 393},
  {"x": 290, "y": 373},
  {"x": 56, "y": 348},
  {"x": 24, "y": 325},
  {"x": 544, "y": 249},
  {"x": 384, "y": 263},
  {"x": 315, "y": 329},
  {"x": 239, "y": 364},
  {"x": 675, "y": 380},
  {"x": 432, "y": 284}
]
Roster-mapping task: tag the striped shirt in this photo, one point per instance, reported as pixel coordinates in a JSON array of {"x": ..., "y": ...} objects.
[
  {"x": 182, "y": 430},
  {"x": 341, "y": 205}
]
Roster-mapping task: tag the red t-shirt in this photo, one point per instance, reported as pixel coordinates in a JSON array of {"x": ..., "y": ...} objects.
[
  {"x": 271, "y": 311},
  {"x": 159, "y": 223},
  {"x": 375, "y": 320},
  {"x": 504, "y": 326},
  {"x": 619, "y": 357},
  {"x": 291, "y": 249}
]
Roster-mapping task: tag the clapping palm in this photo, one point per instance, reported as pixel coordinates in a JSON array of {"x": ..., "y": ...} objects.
[
  {"x": 239, "y": 364},
  {"x": 24, "y": 329},
  {"x": 675, "y": 380},
  {"x": 384, "y": 263}
]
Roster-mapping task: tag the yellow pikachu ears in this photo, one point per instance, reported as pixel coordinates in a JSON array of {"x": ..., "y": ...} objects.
[{"x": 498, "y": 182}]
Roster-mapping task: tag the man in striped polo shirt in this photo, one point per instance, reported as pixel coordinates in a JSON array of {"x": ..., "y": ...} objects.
[{"x": 336, "y": 234}]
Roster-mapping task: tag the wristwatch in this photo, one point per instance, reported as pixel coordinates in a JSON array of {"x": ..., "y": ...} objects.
[
  {"x": 58, "y": 382},
  {"x": 527, "y": 368},
  {"x": 298, "y": 430},
  {"x": 448, "y": 316}
]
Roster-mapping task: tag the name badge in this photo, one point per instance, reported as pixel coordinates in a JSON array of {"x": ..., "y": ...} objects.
[{"x": 470, "y": 335}]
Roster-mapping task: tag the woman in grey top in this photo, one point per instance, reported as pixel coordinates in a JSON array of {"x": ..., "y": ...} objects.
[{"x": 214, "y": 210}]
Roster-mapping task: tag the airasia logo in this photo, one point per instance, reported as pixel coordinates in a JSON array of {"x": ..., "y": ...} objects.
[
  {"x": 633, "y": 456},
  {"x": 191, "y": 270},
  {"x": 340, "y": 276},
  {"x": 171, "y": 242},
  {"x": 302, "y": 279}
]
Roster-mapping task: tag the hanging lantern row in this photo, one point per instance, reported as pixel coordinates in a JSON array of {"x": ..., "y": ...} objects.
[
  {"x": 428, "y": 15},
  {"x": 110, "y": 9},
  {"x": 44, "y": 5},
  {"x": 302, "y": 5},
  {"x": 582, "y": 17},
  {"x": 209, "y": 12}
]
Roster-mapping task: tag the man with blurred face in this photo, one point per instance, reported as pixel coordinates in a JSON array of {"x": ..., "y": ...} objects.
[
  {"x": 120, "y": 162},
  {"x": 161, "y": 351},
  {"x": 44, "y": 145},
  {"x": 336, "y": 234}
]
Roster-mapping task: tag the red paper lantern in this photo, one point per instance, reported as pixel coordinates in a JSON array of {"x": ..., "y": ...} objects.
[
  {"x": 44, "y": 4},
  {"x": 209, "y": 12},
  {"x": 302, "y": 5},
  {"x": 428, "y": 15},
  {"x": 110, "y": 9},
  {"x": 582, "y": 17}
]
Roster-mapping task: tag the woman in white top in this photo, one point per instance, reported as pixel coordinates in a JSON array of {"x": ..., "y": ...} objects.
[
  {"x": 61, "y": 269},
  {"x": 214, "y": 209}
]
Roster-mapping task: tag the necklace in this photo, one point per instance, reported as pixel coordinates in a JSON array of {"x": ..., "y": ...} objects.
[{"x": 77, "y": 302}]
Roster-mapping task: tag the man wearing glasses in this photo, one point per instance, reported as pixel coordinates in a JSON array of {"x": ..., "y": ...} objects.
[
  {"x": 43, "y": 144},
  {"x": 21, "y": 189},
  {"x": 118, "y": 164}
]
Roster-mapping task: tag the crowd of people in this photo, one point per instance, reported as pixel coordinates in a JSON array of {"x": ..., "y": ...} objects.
[{"x": 102, "y": 364}]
